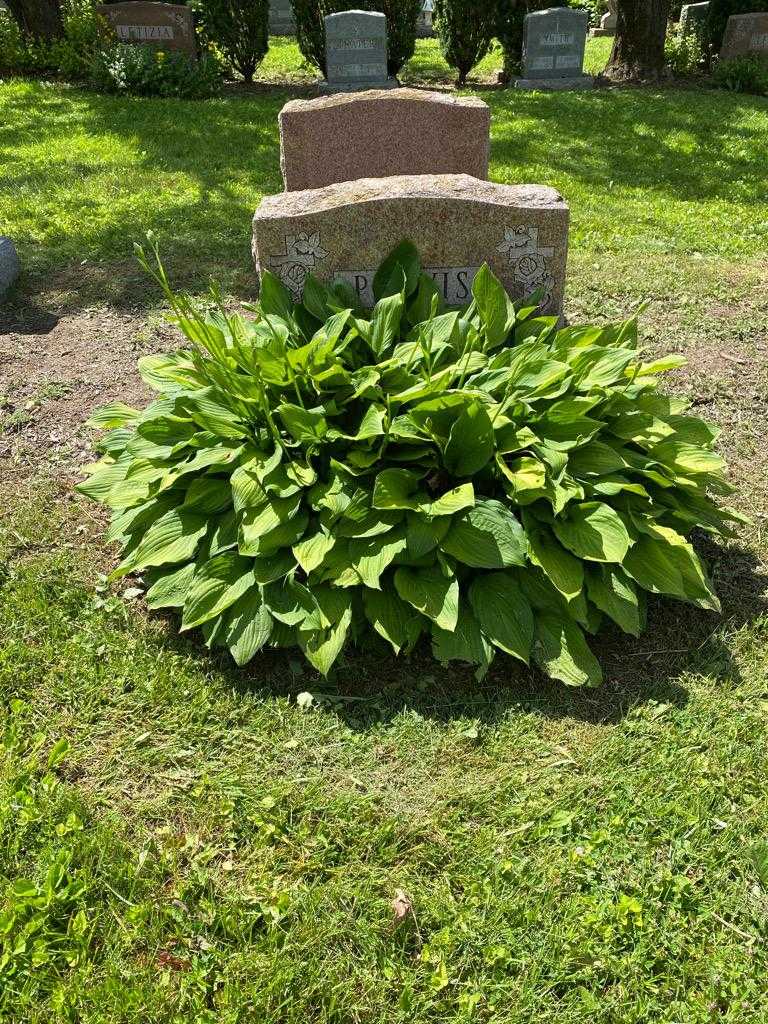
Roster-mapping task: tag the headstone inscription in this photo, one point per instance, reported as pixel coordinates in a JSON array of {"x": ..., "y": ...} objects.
[
  {"x": 553, "y": 50},
  {"x": 281, "y": 19},
  {"x": 342, "y": 233},
  {"x": 167, "y": 26},
  {"x": 693, "y": 18},
  {"x": 745, "y": 33},
  {"x": 356, "y": 51},
  {"x": 9, "y": 265},
  {"x": 378, "y": 133}
]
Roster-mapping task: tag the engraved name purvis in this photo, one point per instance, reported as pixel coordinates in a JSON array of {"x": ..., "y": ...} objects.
[{"x": 453, "y": 283}]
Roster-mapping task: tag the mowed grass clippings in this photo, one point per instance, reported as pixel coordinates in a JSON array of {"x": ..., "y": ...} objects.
[{"x": 184, "y": 841}]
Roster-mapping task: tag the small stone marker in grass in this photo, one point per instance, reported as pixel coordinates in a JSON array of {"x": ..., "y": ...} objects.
[
  {"x": 341, "y": 233},
  {"x": 553, "y": 50},
  {"x": 693, "y": 18},
  {"x": 744, "y": 34},
  {"x": 607, "y": 22},
  {"x": 9, "y": 265},
  {"x": 375, "y": 134},
  {"x": 356, "y": 51},
  {"x": 166, "y": 26},
  {"x": 281, "y": 19}
]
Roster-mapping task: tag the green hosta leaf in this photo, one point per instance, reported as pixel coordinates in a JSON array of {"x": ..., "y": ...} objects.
[
  {"x": 268, "y": 568},
  {"x": 503, "y": 612},
  {"x": 172, "y": 589},
  {"x": 208, "y": 409},
  {"x": 104, "y": 475},
  {"x": 614, "y": 593},
  {"x": 452, "y": 501},
  {"x": 688, "y": 459},
  {"x": 564, "y": 571},
  {"x": 595, "y": 531},
  {"x": 290, "y": 602},
  {"x": 372, "y": 424},
  {"x": 218, "y": 583},
  {"x": 260, "y": 522},
  {"x": 664, "y": 563},
  {"x": 372, "y": 556},
  {"x": 396, "y": 488},
  {"x": 274, "y": 297},
  {"x": 400, "y": 269},
  {"x": 249, "y": 626},
  {"x": 487, "y": 536},
  {"x": 322, "y": 647},
  {"x": 385, "y": 324},
  {"x": 208, "y": 495},
  {"x": 464, "y": 642},
  {"x": 114, "y": 414},
  {"x": 307, "y": 426},
  {"x": 562, "y": 652},
  {"x": 425, "y": 533},
  {"x": 431, "y": 593},
  {"x": 470, "y": 443},
  {"x": 172, "y": 538},
  {"x": 311, "y": 551},
  {"x": 393, "y": 619},
  {"x": 493, "y": 305},
  {"x": 525, "y": 479}
]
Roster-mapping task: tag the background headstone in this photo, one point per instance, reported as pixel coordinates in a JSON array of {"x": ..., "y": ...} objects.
[
  {"x": 553, "y": 50},
  {"x": 424, "y": 26},
  {"x": 342, "y": 233},
  {"x": 281, "y": 19},
  {"x": 693, "y": 18},
  {"x": 607, "y": 22},
  {"x": 356, "y": 51},
  {"x": 167, "y": 26},
  {"x": 379, "y": 133},
  {"x": 745, "y": 33},
  {"x": 9, "y": 265}
]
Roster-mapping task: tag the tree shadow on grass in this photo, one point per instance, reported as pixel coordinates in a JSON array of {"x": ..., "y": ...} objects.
[{"x": 371, "y": 686}]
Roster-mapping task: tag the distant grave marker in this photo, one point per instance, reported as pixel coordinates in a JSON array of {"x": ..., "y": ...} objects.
[
  {"x": 693, "y": 18},
  {"x": 356, "y": 51},
  {"x": 281, "y": 19},
  {"x": 553, "y": 50},
  {"x": 167, "y": 26},
  {"x": 342, "y": 233},
  {"x": 744, "y": 34}
]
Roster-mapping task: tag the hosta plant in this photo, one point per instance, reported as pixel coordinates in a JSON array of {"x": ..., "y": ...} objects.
[{"x": 480, "y": 479}]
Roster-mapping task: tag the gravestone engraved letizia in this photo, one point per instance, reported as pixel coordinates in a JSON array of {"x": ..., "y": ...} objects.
[
  {"x": 553, "y": 50},
  {"x": 167, "y": 26},
  {"x": 356, "y": 51}
]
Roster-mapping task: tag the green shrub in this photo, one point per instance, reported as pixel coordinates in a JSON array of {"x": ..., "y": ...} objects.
[
  {"x": 477, "y": 476},
  {"x": 85, "y": 34},
  {"x": 748, "y": 73},
  {"x": 685, "y": 55},
  {"x": 239, "y": 28},
  {"x": 508, "y": 29},
  {"x": 402, "y": 17},
  {"x": 719, "y": 13},
  {"x": 465, "y": 32},
  {"x": 147, "y": 71}
]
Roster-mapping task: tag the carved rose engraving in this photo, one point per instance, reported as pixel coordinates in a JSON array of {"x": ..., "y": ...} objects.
[
  {"x": 302, "y": 254},
  {"x": 529, "y": 261}
]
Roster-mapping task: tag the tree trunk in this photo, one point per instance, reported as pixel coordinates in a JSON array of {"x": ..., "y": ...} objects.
[
  {"x": 38, "y": 19},
  {"x": 638, "y": 46}
]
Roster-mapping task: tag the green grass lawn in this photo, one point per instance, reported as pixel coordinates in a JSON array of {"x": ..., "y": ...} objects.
[{"x": 183, "y": 841}]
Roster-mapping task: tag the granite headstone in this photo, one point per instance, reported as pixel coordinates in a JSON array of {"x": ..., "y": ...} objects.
[
  {"x": 281, "y": 19},
  {"x": 342, "y": 233},
  {"x": 607, "y": 22},
  {"x": 553, "y": 50},
  {"x": 356, "y": 51},
  {"x": 693, "y": 18},
  {"x": 745, "y": 33},
  {"x": 378, "y": 133},
  {"x": 167, "y": 26},
  {"x": 9, "y": 265}
]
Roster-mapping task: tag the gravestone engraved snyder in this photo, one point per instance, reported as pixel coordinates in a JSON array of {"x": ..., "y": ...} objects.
[
  {"x": 281, "y": 19},
  {"x": 693, "y": 18},
  {"x": 342, "y": 233},
  {"x": 167, "y": 26},
  {"x": 745, "y": 33},
  {"x": 378, "y": 133},
  {"x": 553, "y": 49},
  {"x": 356, "y": 50}
]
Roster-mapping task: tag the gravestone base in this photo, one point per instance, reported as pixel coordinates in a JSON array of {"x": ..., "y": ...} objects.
[
  {"x": 329, "y": 88},
  {"x": 9, "y": 265},
  {"x": 596, "y": 33},
  {"x": 555, "y": 84}
]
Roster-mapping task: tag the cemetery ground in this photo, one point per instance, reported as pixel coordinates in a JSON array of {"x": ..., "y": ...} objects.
[{"x": 183, "y": 840}]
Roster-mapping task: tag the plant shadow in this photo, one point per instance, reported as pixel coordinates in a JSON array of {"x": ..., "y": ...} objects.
[{"x": 371, "y": 686}]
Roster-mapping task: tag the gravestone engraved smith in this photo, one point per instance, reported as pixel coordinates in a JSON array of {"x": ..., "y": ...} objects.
[
  {"x": 375, "y": 134},
  {"x": 745, "y": 33},
  {"x": 342, "y": 233},
  {"x": 167, "y": 26},
  {"x": 553, "y": 50},
  {"x": 356, "y": 51},
  {"x": 281, "y": 19}
]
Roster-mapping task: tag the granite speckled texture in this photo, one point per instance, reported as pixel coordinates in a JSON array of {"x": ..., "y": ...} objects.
[
  {"x": 166, "y": 26},
  {"x": 379, "y": 133},
  {"x": 9, "y": 265},
  {"x": 342, "y": 232},
  {"x": 745, "y": 33}
]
